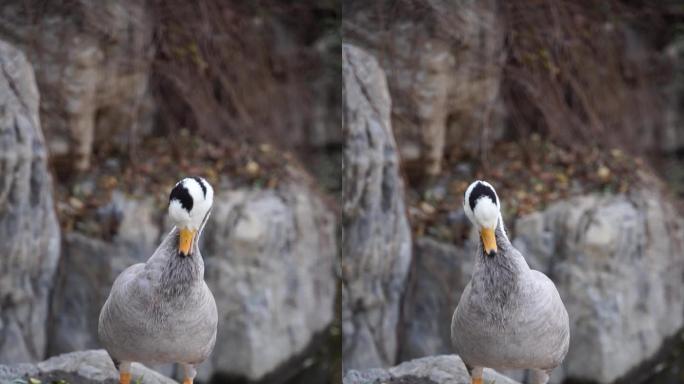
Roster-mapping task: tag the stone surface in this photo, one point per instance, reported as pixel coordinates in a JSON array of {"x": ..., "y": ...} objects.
[
  {"x": 270, "y": 261},
  {"x": 29, "y": 232},
  {"x": 376, "y": 240},
  {"x": 617, "y": 263},
  {"x": 84, "y": 367},
  {"x": 89, "y": 266},
  {"x": 444, "y": 369},
  {"x": 92, "y": 60},
  {"x": 443, "y": 62},
  {"x": 439, "y": 273}
]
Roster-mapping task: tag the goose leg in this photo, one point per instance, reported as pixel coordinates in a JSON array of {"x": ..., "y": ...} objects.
[
  {"x": 476, "y": 375},
  {"x": 190, "y": 373},
  {"x": 125, "y": 372},
  {"x": 539, "y": 376}
]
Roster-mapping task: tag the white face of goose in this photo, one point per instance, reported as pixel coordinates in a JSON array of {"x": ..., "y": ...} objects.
[
  {"x": 189, "y": 203},
  {"x": 482, "y": 206}
]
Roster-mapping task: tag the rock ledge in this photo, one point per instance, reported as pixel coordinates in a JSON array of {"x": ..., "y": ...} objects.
[
  {"x": 83, "y": 367},
  {"x": 444, "y": 369}
]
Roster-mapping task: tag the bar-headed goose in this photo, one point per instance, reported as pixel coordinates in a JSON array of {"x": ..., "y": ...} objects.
[
  {"x": 162, "y": 311},
  {"x": 509, "y": 316}
]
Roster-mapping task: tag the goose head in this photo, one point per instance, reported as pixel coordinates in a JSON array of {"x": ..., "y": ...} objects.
[
  {"x": 189, "y": 205},
  {"x": 482, "y": 206}
]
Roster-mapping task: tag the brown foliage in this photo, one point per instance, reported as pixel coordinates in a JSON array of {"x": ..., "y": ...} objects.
[
  {"x": 239, "y": 70},
  {"x": 578, "y": 72}
]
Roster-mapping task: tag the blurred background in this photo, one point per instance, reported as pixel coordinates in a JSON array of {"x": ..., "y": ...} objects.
[
  {"x": 105, "y": 105},
  {"x": 574, "y": 111}
]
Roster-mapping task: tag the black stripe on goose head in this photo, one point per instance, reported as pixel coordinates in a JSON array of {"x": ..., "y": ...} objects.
[
  {"x": 182, "y": 195},
  {"x": 481, "y": 190},
  {"x": 201, "y": 183}
]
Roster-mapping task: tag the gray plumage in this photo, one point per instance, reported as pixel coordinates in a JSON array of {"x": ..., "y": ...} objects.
[
  {"x": 161, "y": 311},
  {"x": 510, "y": 316}
]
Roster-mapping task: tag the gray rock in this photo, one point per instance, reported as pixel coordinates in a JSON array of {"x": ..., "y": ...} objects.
[
  {"x": 270, "y": 261},
  {"x": 29, "y": 233},
  {"x": 439, "y": 273},
  {"x": 376, "y": 240},
  {"x": 445, "y": 369},
  {"x": 443, "y": 62},
  {"x": 84, "y": 367},
  {"x": 92, "y": 60},
  {"x": 616, "y": 261}
]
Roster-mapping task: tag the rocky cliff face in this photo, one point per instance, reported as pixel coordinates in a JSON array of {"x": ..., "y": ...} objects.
[
  {"x": 462, "y": 74},
  {"x": 28, "y": 226},
  {"x": 92, "y": 66},
  {"x": 443, "y": 62},
  {"x": 376, "y": 242}
]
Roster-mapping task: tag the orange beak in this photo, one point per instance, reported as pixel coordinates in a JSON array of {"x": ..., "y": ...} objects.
[
  {"x": 187, "y": 236},
  {"x": 488, "y": 241}
]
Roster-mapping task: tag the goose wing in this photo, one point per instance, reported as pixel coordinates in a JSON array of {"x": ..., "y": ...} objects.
[{"x": 122, "y": 317}]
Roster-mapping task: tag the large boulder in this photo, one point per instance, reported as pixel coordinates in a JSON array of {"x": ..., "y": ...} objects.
[
  {"x": 443, "y": 62},
  {"x": 444, "y": 369},
  {"x": 29, "y": 232},
  {"x": 92, "y": 62},
  {"x": 376, "y": 240},
  {"x": 84, "y": 367},
  {"x": 270, "y": 262},
  {"x": 617, "y": 263}
]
